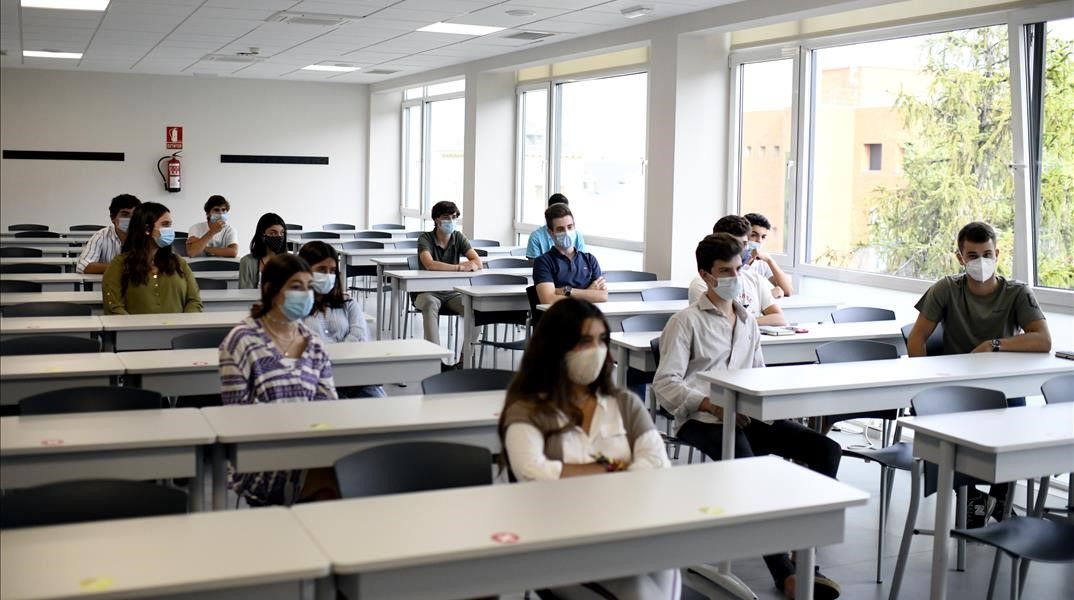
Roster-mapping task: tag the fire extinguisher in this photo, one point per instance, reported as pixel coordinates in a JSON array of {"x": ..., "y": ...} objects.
[{"x": 172, "y": 179}]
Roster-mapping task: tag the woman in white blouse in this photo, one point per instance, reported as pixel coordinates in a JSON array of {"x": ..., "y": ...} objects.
[{"x": 563, "y": 417}]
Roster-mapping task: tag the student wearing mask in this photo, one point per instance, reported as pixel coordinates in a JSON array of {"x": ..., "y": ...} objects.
[
  {"x": 717, "y": 333},
  {"x": 761, "y": 261},
  {"x": 213, "y": 237},
  {"x": 336, "y": 317},
  {"x": 757, "y": 293},
  {"x": 106, "y": 243},
  {"x": 541, "y": 241},
  {"x": 272, "y": 357},
  {"x": 147, "y": 277},
  {"x": 270, "y": 239},
  {"x": 564, "y": 271},
  {"x": 563, "y": 417}
]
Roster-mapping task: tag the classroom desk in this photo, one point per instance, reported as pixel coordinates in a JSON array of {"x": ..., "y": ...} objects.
[
  {"x": 196, "y": 371},
  {"x": 23, "y": 376},
  {"x": 263, "y": 553},
  {"x": 72, "y": 245},
  {"x": 56, "y": 282},
  {"x": 270, "y": 437},
  {"x": 88, "y": 326},
  {"x": 78, "y": 235},
  {"x": 807, "y": 309},
  {"x": 632, "y": 349},
  {"x": 995, "y": 445},
  {"x": 486, "y": 540},
  {"x": 615, "y": 312},
  {"x": 154, "y": 332},
  {"x": 131, "y": 444},
  {"x": 213, "y": 300},
  {"x": 67, "y": 262}
]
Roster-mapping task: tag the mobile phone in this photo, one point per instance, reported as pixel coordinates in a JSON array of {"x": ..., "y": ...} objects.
[{"x": 1067, "y": 354}]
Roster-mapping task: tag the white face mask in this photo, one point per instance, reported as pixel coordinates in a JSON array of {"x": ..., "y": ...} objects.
[
  {"x": 584, "y": 366},
  {"x": 981, "y": 269},
  {"x": 727, "y": 288},
  {"x": 323, "y": 283}
]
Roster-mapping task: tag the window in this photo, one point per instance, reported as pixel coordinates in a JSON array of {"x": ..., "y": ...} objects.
[
  {"x": 432, "y": 148},
  {"x": 446, "y": 125},
  {"x": 533, "y": 164},
  {"x": 412, "y": 157},
  {"x": 874, "y": 156}
]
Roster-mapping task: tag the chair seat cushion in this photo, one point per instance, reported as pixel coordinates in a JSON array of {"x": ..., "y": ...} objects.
[
  {"x": 1037, "y": 539},
  {"x": 899, "y": 455}
]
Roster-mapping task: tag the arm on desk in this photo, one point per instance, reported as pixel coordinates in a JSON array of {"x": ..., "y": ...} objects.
[
  {"x": 1036, "y": 338},
  {"x": 915, "y": 342},
  {"x": 473, "y": 261},
  {"x": 524, "y": 444},
  {"x": 771, "y": 313}
]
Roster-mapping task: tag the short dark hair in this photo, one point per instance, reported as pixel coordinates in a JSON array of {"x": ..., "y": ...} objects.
[
  {"x": 733, "y": 224},
  {"x": 557, "y": 198},
  {"x": 977, "y": 232},
  {"x": 758, "y": 220},
  {"x": 216, "y": 200},
  {"x": 444, "y": 207},
  {"x": 121, "y": 202},
  {"x": 556, "y": 211},
  {"x": 718, "y": 246}
]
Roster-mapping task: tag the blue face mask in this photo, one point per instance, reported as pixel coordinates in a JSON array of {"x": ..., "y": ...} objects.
[
  {"x": 748, "y": 250},
  {"x": 124, "y": 223},
  {"x": 167, "y": 236},
  {"x": 448, "y": 227},
  {"x": 213, "y": 218},
  {"x": 297, "y": 304},
  {"x": 324, "y": 283},
  {"x": 565, "y": 240}
]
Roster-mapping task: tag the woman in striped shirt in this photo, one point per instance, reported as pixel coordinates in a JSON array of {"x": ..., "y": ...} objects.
[{"x": 272, "y": 357}]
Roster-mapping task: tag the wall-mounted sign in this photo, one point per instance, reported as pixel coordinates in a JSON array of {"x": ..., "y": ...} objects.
[{"x": 173, "y": 137}]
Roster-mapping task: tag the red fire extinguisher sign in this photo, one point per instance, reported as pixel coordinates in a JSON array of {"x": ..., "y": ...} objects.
[{"x": 173, "y": 137}]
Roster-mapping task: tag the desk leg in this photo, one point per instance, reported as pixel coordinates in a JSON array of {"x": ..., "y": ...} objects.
[
  {"x": 325, "y": 588},
  {"x": 730, "y": 413},
  {"x": 942, "y": 528},
  {"x": 219, "y": 477},
  {"x": 197, "y": 484},
  {"x": 380, "y": 302},
  {"x": 803, "y": 581},
  {"x": 469, "y": 349},
  {"x": 393, "y": 318},
  {"x": 622, "y": 358}
]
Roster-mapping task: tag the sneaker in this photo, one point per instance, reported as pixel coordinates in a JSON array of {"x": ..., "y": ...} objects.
[
  {"x": 824, "y": 588},
  {"x": 976, "y": 509}
]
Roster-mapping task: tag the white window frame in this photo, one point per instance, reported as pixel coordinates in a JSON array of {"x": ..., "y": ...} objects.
[{"x": 422, "y": 212}]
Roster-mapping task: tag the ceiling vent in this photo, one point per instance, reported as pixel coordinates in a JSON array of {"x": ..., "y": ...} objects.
[
  {"x": 530, "y": 36},
  {"x": 230, "y": 58},
  {"x": 313, "y": 19},
  {"x": 382, "y": 71}
]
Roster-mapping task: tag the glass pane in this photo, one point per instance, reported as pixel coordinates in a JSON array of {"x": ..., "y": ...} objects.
[
  {"x": 601, "y": 158},
  {"x": 534, "y": 110},
  {"x": 765, "y": 181},
  {"x": 448, "y": 87},
  {"x": 445, "y": 151},
  {"x": 1055, "y": 234},
  {"x": 933, "y": 113},
  {"x": 412, "y": 157},
  {"x": 412, "y": 93},
  {"x": 614, "y": 259}
]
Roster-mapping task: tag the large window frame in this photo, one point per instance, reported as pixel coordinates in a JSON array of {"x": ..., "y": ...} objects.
[{"x": 425, "y": 101}]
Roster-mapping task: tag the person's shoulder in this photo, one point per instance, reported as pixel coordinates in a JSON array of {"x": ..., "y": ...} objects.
[
  {"x": 247, "y": 259},
  {"x": 316, "y": 346},
  {"x": 1013, "y": 284},
  {"x": 241, "y": 335}
]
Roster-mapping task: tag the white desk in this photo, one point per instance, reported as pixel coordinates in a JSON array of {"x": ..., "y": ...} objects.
[
  {"x": 481, "y": 541},
  {"x": 615, "y": 312},
  {"x": 270, "y": 437},
  {"x": 996, "y": 446},
  {"x": 632, "y": 349},
  {"x": 55, "y": 282},
  {"x": 22, "y": 376},
  {"x": 67, "y": 262},
  {"x": 132, "y": 444},
  {"x": 153, "y": 332},
  {"x": 263, "y": 553},
  {"x": 213, "y": 300},
  {"x": 88, "y": 326},
  {"x": 196, "y": 371},
  {"x": 807, "y": 309}
]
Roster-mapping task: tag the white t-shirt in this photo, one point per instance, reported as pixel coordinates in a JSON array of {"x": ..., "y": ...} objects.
[
  {"x": 756, "y": 293},
  {"x": 761, "y": 268},
  {"x": 223, "y": 238}
]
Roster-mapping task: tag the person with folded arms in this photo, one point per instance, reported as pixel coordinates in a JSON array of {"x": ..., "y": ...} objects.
[{"x": 214, "y": 236}]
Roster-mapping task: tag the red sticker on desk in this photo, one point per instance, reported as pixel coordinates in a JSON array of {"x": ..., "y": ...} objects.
[
  {"x": 51, "y": 442},
  {"x": 505, "y": 537},
  {"x": 495, "y": 414},
  {"x": 200, "y": 363}
]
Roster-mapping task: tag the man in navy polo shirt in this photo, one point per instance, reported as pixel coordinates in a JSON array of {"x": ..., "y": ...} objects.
[{"x": 563, "y": 271}]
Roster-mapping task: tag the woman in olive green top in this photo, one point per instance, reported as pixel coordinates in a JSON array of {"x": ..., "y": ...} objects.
[{"x": 147, "y": 277}]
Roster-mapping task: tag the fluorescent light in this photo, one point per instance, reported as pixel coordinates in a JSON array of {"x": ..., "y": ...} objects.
[
  {"x": 461, "y": 29},
  {"x": 334, "y": 68},
  {"x": 50, "y": 54},
  {"x": 637, "y": 11},
  {"x": 67, "y": 4}
]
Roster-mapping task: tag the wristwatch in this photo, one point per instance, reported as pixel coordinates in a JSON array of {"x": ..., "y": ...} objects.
[
  {"x": 995, "y": 345},
  {"x": 567, "y": 291}
]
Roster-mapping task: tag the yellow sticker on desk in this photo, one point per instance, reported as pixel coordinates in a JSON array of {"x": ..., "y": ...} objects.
[
  {"x": 320, "y": 426},
  {"x": 53, "y": 369},
  {"x": 166, "y": 322},
  {"x": 95, "y": 584},
  {"x": 712, "y": 511}
]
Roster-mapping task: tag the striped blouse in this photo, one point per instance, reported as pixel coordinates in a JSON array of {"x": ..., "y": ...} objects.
[{"x": 252, "y": 371}]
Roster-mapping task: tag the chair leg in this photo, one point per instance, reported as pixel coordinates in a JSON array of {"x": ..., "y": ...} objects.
[
  {"x": 1031, "y": 493},
  {"x": 908, "y": 530},
  {"x": 881, "y": 520},
  {"x": 481, "y": 354},
  {"x": 1016, "y": 564},
  {"x": 960, "y": 522},
  {"x": 995, "y": 573}
]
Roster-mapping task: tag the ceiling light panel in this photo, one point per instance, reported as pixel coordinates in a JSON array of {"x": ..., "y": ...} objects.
[
  {"x": 83, "y": 5},
  {"x": 51, "y": 54},
  {"x": 460, "y": 29}
]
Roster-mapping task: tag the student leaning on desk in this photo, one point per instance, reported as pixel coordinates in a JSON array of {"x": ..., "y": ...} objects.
[
  {"x": 148, "y": 278},
  {"x": 214, "y": 236},
  {"x": 565, "y": 270},
  {"x": 107, "y": 243}
]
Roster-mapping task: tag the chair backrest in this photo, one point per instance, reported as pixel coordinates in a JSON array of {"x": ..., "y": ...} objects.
[
  {"x": 198, "y": 266},
  {"x": 362, "y": 245},
  {"x": 518, "y": 252},
  {"x": 27, "y": 227},
  {"x": 856, "y": 314},
  {"x": 467, "y": 380},
  {"x": 1059, "y": 389},
  {"x": 855, "y": 350},
  {"x": 90, "y": 399},
  {"x": 48, "y": 344},
  {"x": 47, "y": 309},
  {"x": 490, "y": 243},
  {"x": 204, "y": 283},
  {"x": 534, "y": 300},
  {"x": 611, "y": 276},
  {"x": 406, "y": 244},
  {"x": 956, "y": 398},
  {"x": 26, "y": 268},
  {"x": 37, "y": 234},
  {"x": 89, "y": 500},
  {"x": 665, "y": 293},
  {"x": 87, "y": 227},
  {"x": 179, "y": 247},
  {"x": 318, "y": 235},
  {"x": 654, "y": 347},
  {"x": 206, "y": 338},
  {"x": 507, "y": 263},
  {"x": 338, "y": 227},
  {"x": 933, "y": 345},
  {"x": 498, "y": 279},
  {"x": 481, "y": 252},
  {"x": 293, "y": 227},
  {"x": 412, "y": 263},
  {"x": 19, "y": 252},
  {"x": 392, "y": 468},
  {"x": 391, "y": 226},
  {"x": 372, "y": 235},
  {"x": 644, "y": 323},
  {"x": 10, "y": 286},
  {"x": 413, "y": 235}
]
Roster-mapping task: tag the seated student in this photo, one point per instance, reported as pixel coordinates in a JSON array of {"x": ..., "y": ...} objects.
[
  {"x": 272, "y": 357},
  {"x": 564, "y": 271},
  {"x": 716, "y": 332},
  {"x": 270, "y": 239},
  {"x": 214, "y": 237},
  {"x": 563, "y": 417},
  {"x": 336, "y": 317},
  {"x": 980, "y": 312},
  {"x": 440, "y": 250},
  {"x": 148, "y": 278},
  {"x": 756, "y": 296},
  {"x": 761, "y": 261},
  {"x": 541, "y": 241},
  {"x": 106, "y": 243}
]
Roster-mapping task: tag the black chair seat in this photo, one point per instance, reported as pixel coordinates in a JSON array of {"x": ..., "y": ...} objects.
[
  {"x": 88, "y": 500},
  {"x": 1043, "y": 540},
  {"x": 899, "y": 455},
  {"x": 204, "y": 283},
  {"x": 47, "y": 309},
  {"x": 214, "y": 265},
  {"x": 48, "y": 344},
  {"x": 467, "y": 380},
  {"x": 206, "y": 338},
  {"x": 11, "y": 286},
  {"x": 519, "y": 345},
  {"x": 389, "y": 469},
  {"x": 616, "y": 276},
  {"x": 19, "y": 252},
  {"x": 26, "y": 268},
  {"x": 90, "y": 399}
]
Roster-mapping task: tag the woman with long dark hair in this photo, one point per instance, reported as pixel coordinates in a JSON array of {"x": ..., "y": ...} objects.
[
  {"x": 270, "y": 239},
  {"x": 147, "y": 277},
  {"x": 563, "y": 417}
]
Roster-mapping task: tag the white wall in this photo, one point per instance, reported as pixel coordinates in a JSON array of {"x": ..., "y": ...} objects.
[
  {"x": 63, "y": 110},
  {"x": 385, "y": 148}
]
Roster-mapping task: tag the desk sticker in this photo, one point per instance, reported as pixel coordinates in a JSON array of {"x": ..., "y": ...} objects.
[
  {"x": 166, "y": 322},
  {"x": 95, "y": 584},
  {"x": 320, "y": 426},
  {"x": 712, "y": 511},
  {"x": 52, "y": 442},
  {"x": 496, "y": 414},
  {"x": 505, "y": 537},
  {"x": 200, "y": 363},
  {"x": 53, "y": 369}
]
